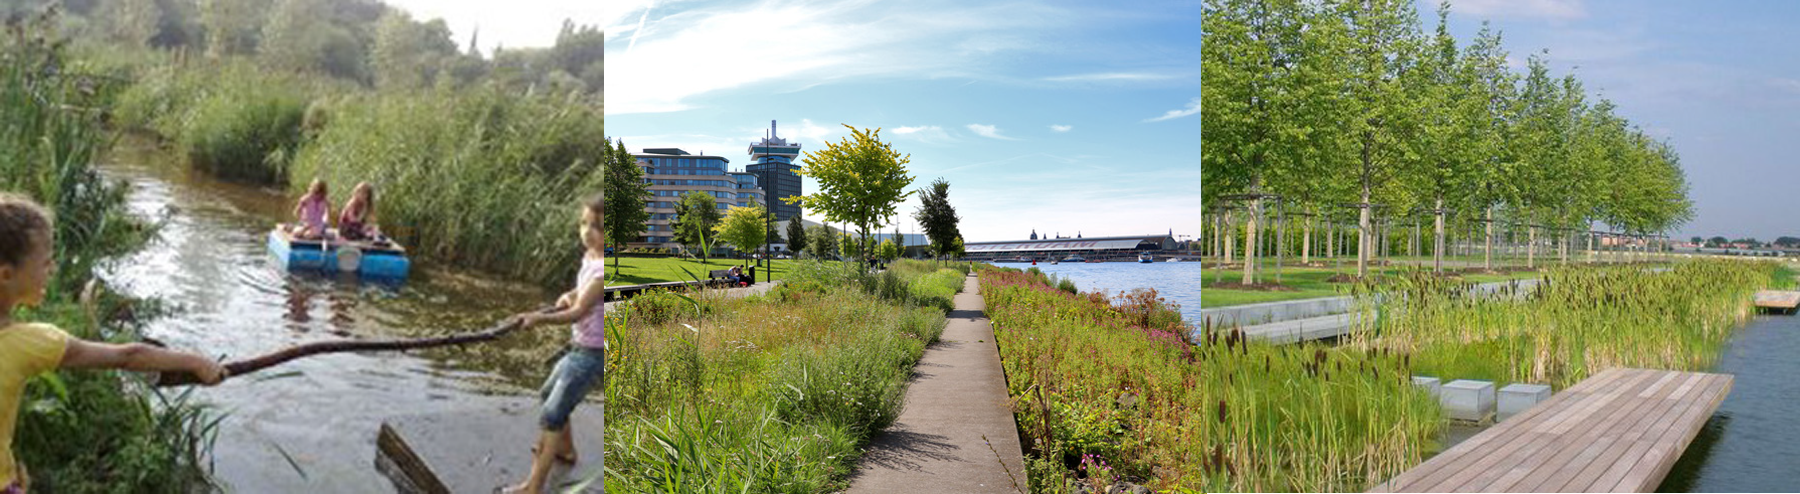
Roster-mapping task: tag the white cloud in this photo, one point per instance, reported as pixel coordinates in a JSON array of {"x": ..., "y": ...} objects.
[
  {"x": 1109, "y": 76},
  {"x": 1545, "y": 9},
  {"x": 678, "y": 55},
  {"x": 1193, "y": 107},
  {"x": 1062, "y": 128},
  {"x": 924, "y": 133},
  {"x": 988, "y": 131},
  {"x": 817, "y": 135}
]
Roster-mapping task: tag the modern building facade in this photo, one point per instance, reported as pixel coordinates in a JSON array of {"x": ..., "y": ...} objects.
[
  {"x": 773, "y": 162},
  {"x": 671, "y": 173}
]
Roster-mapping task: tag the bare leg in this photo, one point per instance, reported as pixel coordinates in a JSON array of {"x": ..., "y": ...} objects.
[
  {"x": 540, "y": 465},
  {"x": 565, "y": 445}
]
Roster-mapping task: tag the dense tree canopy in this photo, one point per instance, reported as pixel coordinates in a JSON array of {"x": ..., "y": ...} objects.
[{"x": 1350, "y": 102}]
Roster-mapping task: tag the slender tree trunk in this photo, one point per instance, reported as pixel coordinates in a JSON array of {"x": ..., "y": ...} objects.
[
  {"x": 1306, "y": 242},
  {"x": 1230, "y": 237},
  {"x": 1363, "y": 237},
  {"x": 1251, "y": 247},
  {"x": 1531, "y": 248},
  {"x": 1437, "y": 252},
  {"x": 1487, "y": 256}
]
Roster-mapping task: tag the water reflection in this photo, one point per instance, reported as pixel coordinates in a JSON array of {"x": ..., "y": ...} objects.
[
  {"x": 225, "y": 296},
  {"x": 1750, "y": 444},
  {"x": 1177, "y": 281}
]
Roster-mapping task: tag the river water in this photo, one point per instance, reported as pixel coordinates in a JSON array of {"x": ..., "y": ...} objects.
[
  {"x": 310, "y": 425},
  {"x": 1177, "y": 281},
  {"x": 1751, "y": 443}
]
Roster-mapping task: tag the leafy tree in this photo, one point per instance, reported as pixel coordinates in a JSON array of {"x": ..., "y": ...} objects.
[
  {"x": 408, "y": 54},
  {"x": 625, "y": 195},
  {"x": 743, "y": 228},
  {"x": 695, "y": 216},
  {"x": 937, "y": 216},
  {"x": 861, "y": 181},
  {"x": 849, "y": 248},
  {"x": 822, "y": 241},
  {"x": 132, "y": 22},
  {"x": 796, "y": 234},
  {"x": 887, "y": 250},
  {"x": 1781, "y": 241},
  {"x": 1719, "y": 241},
  {"x": 232, "y": 26}
]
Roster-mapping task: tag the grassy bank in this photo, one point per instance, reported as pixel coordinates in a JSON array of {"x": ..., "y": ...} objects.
[
  {"x": 84, "y": 431},
  {"x": 1309, "y": 282},
  {"x": 1579, "y": 321},
  {"x": 640, "y": 270},
  {"x": 772, "y": 393},
  {"x": 1106, "y": 389}
]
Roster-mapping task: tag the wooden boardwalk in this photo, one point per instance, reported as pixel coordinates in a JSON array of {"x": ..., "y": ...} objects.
[
  {"x": 1777, "y": 299},
  {"x": 1617, "y": 431}
]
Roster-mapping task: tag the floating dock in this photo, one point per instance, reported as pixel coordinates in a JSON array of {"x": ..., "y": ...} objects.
[
  {"x": 1778, "y": 300},
  {"x": 480, "y": 449},
  {"x": 1618, "y": 431}
]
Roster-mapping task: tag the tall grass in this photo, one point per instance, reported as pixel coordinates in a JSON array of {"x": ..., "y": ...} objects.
[
  {"x": 229, "y": 117},
  {"x": 761, "y": 394},
  {"x": 1578, "y": 321},
  {"x": 479, "y": 177},
  {"x": 1115, "y": 382},
  {"x": 83, "y": 431}
]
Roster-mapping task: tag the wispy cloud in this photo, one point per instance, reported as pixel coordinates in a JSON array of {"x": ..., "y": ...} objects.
[
  {"x": 818, "y": 41},
  {"x": 1193, "y": 107},
  {"x": 1541, "y": 9},
  {"x": 1110, "y": 76},
  {"x": 1061, "y": 128},
  {"x": 924, "y": 133},
  {"x": 989, "y": 131}
]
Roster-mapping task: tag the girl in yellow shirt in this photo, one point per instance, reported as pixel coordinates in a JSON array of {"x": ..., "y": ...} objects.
[{"x": 29, "y": 349}]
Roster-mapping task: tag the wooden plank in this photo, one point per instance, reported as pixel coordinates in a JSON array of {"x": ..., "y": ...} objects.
[
  {"x": 1778, "y": 299},
  {"x": 1622, "y": 429},
  {"x": 1446, "y": 463}
]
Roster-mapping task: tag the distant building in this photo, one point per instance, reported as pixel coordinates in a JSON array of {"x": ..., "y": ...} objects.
[
  {"x": 773, "y": 163},
  {"x": 1094, "y": 248},
  {"x": 671, "y": 173}
]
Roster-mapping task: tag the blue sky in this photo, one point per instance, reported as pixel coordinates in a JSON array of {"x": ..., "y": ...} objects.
[
  {"x": 1718, "y": 80},
  {"x": 1058, "y": 116}
]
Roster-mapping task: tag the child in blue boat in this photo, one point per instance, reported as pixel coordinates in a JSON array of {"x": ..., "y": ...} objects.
[
  {"x": 312, "y": 210},
  {"x": 584, "y": 365},
  {"x": 28, "y": 349}
]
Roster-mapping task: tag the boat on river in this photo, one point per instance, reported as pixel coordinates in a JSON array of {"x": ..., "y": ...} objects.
[
  {"x": 1145, "y": 258},
  {"x": 378, "y": 258},
  {"x": 1075, "y": 259}
]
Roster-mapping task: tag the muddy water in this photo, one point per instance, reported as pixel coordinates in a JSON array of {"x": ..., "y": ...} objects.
[{"x": 310, "y": 425}]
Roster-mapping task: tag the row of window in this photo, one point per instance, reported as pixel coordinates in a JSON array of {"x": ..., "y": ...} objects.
[
  {"x": 671, "y": 205},
  {"x": 682, "y": 171},
  {"x": 705, "y": 183},
  {"x": 684, "y": 162}
]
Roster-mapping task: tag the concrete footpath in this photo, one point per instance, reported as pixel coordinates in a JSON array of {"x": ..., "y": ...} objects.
[{"x": 957, "y": 397}]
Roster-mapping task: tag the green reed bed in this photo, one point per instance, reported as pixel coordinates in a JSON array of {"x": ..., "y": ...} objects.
[
  {"x": 1109, "y": 389},
  {"x": 769, "y": 393},
  {"x": 1579, "y": 321},
  {"x": 84, "y": 431}
]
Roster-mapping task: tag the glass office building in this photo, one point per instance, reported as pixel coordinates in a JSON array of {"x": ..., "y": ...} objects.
[
  {"x": 773, "y": 163},
  {"x": 672, "y": 173}
]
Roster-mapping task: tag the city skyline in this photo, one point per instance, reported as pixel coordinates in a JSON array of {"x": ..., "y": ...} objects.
[{"x": 1077, "y": 117}]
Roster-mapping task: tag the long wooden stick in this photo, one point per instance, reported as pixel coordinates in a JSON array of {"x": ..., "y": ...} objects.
[{"x": 241, "y": 367}]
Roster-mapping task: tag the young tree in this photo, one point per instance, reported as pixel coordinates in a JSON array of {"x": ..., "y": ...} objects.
[
  {"x": 743, "y": 228},
  {"x": 937, "y": 216},
  {"x": 861, "y": 181},
  {"x": 695, "y": 217},
  {"x": 849, "y": 248},
  {"x": 796, "y": 234},
  {"x": 822, "y": 241},
  {"x": 625, "y": 193},
  {"x": 888, "y": 250}
]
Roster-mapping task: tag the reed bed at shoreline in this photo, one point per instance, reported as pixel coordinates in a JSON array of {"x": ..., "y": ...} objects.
[
  {"x": 1108, "y": 389},
  {"x": 767, "y": 393},
  {"x": 1579, "y": 320}
]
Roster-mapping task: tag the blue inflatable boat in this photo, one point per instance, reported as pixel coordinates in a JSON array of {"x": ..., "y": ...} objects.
[{"x": 377, "y": 259}]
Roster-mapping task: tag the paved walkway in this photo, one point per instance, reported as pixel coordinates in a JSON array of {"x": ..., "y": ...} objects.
[{"x": 957, "y": 397}]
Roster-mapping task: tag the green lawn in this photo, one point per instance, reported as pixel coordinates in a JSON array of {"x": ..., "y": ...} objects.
[
  {"x": 641, "y": 270},
  {"x": 1309, "y": 282}
]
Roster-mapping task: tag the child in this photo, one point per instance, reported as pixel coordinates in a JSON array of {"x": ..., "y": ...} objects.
[
  {"x": 585, "y": 363},
  {"x": 312, "y": 210},
  {"x": 357, "y": 220},
  {"x": 29, "y": 349}
]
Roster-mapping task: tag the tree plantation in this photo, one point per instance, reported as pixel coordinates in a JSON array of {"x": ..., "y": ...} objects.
[{"x": 1350, "y": 113}]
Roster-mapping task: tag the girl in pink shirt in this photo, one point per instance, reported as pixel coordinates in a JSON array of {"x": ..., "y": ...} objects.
[
  {"x": 584, "y": 366},
  {"x": 312, "y": 211}
]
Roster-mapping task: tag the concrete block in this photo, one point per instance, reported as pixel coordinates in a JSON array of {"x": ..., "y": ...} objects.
[
  {"x": 1469, "y": 400},
  {"x": 1517, "y": 398},
  {"x": 1431, "y": 384}
]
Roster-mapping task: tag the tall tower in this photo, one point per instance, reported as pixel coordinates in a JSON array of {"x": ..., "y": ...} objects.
[{"x": 772, "y": 160}]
